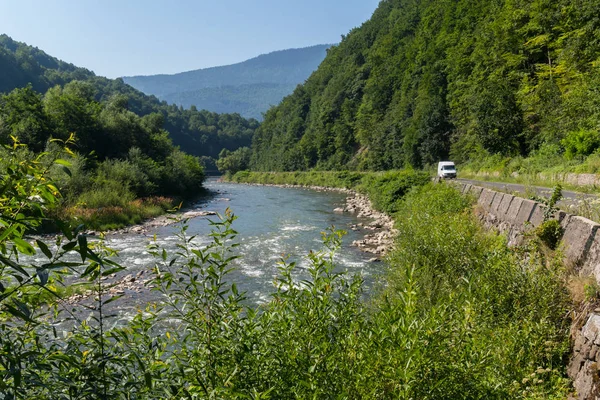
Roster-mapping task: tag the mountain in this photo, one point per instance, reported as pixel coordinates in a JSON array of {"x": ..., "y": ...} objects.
[
  {"x": 425, "y": 80},
  {"x": 201, "y": 133},
  {"x": 248, "y": 88}
]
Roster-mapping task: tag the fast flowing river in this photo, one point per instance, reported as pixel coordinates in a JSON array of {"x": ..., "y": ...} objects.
[{"x": 272, "y": 222}]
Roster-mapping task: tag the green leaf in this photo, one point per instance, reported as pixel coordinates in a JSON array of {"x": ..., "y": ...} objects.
[
  {"x": 66, "y": 170},
  {"x": 21, "y": 311},
  {"x": 83, "y": 247},
  {"x": 7, "y": 232},
  {"x": 44, "y": 248},
  {"x": 69, "y": 246},
  {"x": 114, "y": 298},
  {"x": 60, "y": 161},
  {"x": 24, "y": 247},
  {"x": 43, "y": 275},
  {"x": 112, "y": 271}
]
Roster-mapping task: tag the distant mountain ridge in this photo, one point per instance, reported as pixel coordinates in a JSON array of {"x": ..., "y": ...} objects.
[{"x": 248, "y": 88}]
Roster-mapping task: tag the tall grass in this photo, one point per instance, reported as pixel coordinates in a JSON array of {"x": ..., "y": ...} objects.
[{"x": 497, "y": 315}]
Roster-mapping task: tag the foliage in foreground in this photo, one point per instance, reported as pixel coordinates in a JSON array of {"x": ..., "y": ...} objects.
[
  {"x": 113, "y": 193},
  {"x": 459, "y": 316}
]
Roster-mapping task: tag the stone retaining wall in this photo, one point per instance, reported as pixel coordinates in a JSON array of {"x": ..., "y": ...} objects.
[{"x": 518, "y": 217}]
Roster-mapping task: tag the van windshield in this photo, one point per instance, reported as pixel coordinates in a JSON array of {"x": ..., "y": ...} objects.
[{"x": 448, "y": 167}]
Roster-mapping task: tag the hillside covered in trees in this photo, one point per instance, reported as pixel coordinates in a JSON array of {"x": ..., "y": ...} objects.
[
  {"x": 200, "y": 133},
  {"x": 122, "y": 153},
  {"x": 248, "y": 88},
  {"x": 427, "y": 80}
]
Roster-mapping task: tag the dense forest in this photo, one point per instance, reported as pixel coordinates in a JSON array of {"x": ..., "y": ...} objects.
[
  {"x": 248, "y": 88},
  {"x": 200, "y": 133},
  {"x": 426, "y": 80}
]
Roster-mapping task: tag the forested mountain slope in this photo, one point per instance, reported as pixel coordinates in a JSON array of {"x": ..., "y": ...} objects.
[
  {"x": 430, "y": 79},
  {"x": 248, "y": 88},
  {"x": 200, "y": 133}
]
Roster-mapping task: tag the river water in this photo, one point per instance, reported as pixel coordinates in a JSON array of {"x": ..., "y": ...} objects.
[{"x": 272, "y": 222}]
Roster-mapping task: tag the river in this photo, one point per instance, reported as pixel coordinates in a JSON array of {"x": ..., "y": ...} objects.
[{"x": 272, "y": 222}]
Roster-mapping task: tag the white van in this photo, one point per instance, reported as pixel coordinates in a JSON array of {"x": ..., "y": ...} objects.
[{"x": 446, "y": 170}]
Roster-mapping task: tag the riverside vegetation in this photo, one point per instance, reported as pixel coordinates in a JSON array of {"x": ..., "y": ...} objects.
[{"x": 458, "y": 314}]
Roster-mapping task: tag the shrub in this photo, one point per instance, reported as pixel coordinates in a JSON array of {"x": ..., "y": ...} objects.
[
  {"x": 125, "y": 173},
  {"x": 183, "y": 174},
  {"x": 581, "y": 143},
  {"x": 550, "y": 233}
]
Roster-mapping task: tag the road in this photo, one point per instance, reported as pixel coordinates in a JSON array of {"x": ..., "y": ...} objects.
[{"x": 568, "y": 196}]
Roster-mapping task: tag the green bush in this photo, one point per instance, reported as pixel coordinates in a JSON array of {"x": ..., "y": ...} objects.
[
  {"x": 183, "y": 174},
  {"x": 550, "y": 233},
  {"x": 581, "y": 143},
  {"x": 475, "y": 302},
  {"x": 107, "y": 194},
  {"x": 124, "y": 173}
]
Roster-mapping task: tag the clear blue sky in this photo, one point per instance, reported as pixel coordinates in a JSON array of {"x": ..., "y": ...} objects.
[{"x": 142, "y": 37}]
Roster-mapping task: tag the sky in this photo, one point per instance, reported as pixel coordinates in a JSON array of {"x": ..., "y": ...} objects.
[{"x": 143, "y": 37}]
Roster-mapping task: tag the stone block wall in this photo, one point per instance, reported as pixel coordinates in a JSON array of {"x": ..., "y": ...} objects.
[{"x": 518, "y": 217}]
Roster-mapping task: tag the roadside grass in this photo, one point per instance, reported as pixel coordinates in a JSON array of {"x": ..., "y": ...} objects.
[
  {"x": 527, "y": 180},
  {"x": 482, "y": 319},
  {"x": 545, "y": 167}
]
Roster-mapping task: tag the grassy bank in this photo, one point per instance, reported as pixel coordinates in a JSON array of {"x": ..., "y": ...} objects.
[{"x": 125, "y": 212}]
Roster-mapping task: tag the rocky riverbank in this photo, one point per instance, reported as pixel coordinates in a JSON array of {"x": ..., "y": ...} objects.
[
  {"x": 380, "y": 239},
  {"x": 158, "y": 222}
]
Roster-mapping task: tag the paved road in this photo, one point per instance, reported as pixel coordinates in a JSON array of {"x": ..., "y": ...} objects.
[{"x": 569, "y": 197}]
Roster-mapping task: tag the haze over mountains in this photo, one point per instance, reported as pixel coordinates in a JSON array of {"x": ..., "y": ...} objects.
[{"x": 248, "y": 88}]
